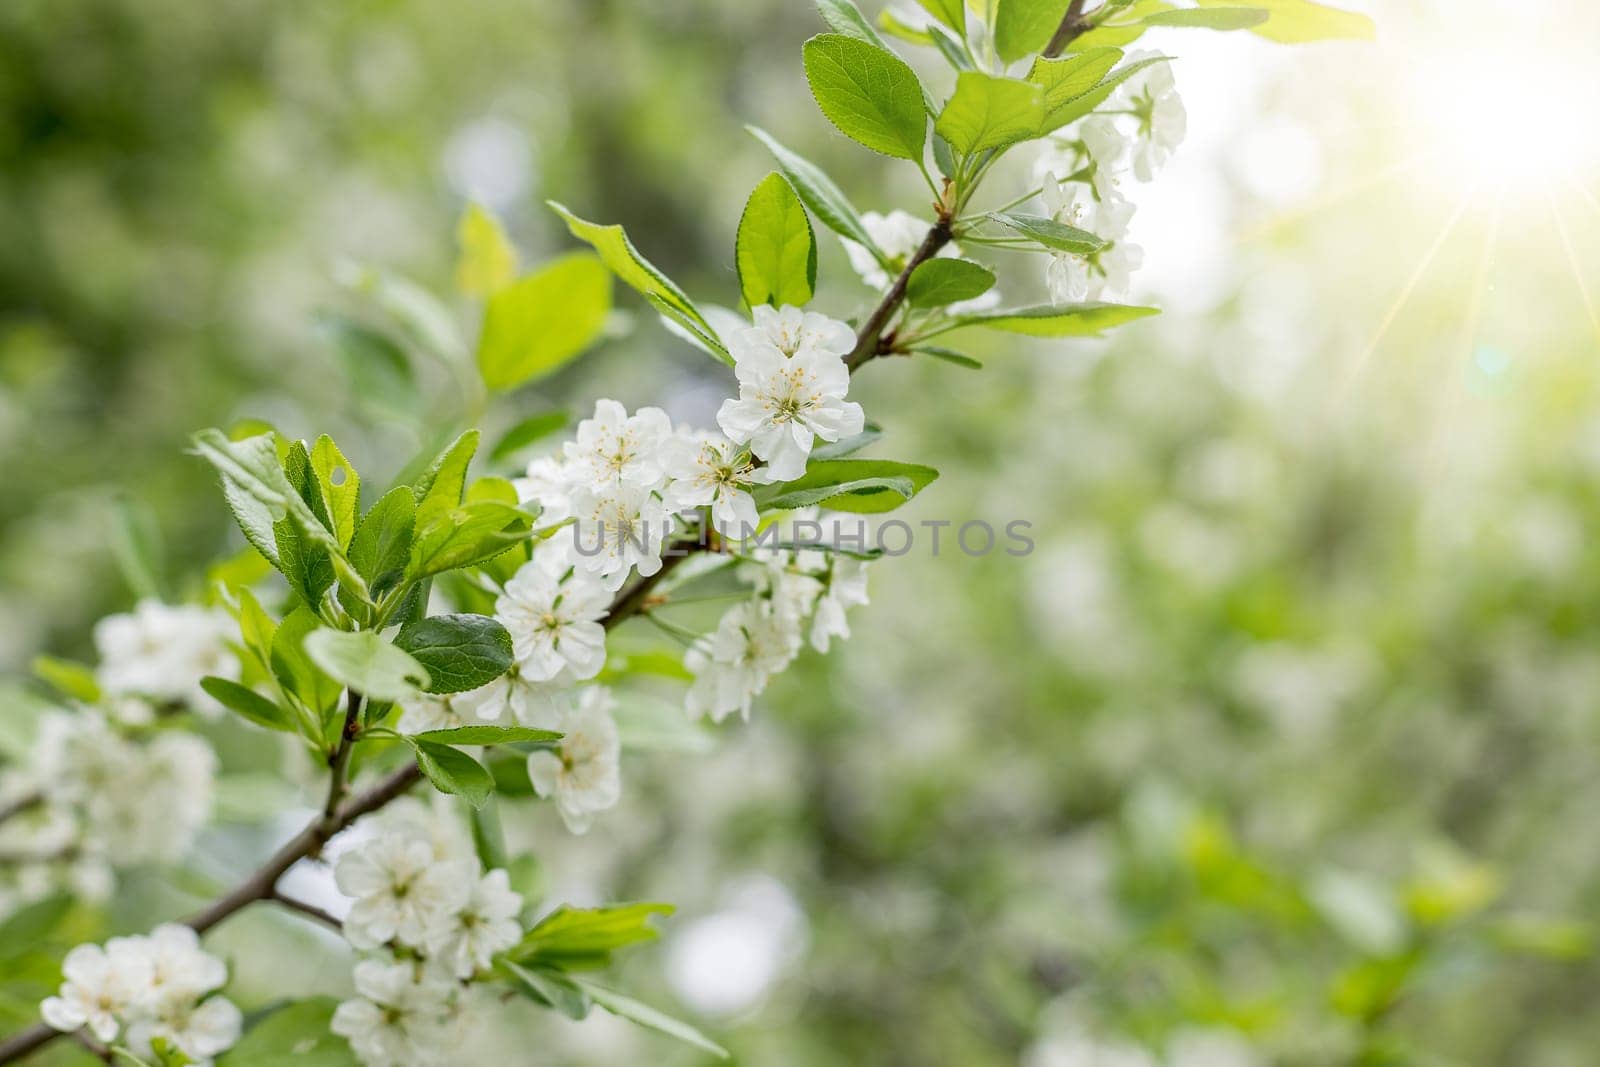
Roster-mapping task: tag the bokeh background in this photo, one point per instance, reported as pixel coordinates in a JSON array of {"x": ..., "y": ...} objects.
[{"x": 1283, "y": 746}]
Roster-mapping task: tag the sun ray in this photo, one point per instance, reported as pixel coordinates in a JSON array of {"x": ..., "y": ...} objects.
[
  {"x": 1403, "y": 298},
  {"x": 1456, "y": 373},
  {"x": 1577, "y": 267}
]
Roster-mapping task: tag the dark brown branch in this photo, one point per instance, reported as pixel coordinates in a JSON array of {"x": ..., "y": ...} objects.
[
  {"x": 1072, "y": 24},
  {"x": 870, "y": 339},
  {"x": 311, "y": 911}
]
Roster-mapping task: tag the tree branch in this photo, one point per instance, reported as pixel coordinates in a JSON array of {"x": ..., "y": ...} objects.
[
  {"x": 311, "y": 911},
  {"x": 1072, "y": 24},
  {"x": 870, "y": 339},
  {"x": 26, "y": 802}
]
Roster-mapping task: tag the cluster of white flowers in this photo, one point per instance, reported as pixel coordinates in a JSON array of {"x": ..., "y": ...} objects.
[
  {"x": 159, "y": 652},
  {"x": 431, "y": 920},
  {"x": 1094, "y": 158},
  {"x": 758, "y": 638},
  {"x": 104, "y": 800},
  {"x": 138, "y": 991}
]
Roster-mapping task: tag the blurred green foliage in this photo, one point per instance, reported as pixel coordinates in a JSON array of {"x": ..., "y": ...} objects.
[{"x": 1287, "y": 728}]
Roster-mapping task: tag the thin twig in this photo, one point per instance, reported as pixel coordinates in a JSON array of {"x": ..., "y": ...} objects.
[
  {"x": 870, "y": 339},
  {"x": 311, "y": 911},
  {"x": 26, "y": 802}
]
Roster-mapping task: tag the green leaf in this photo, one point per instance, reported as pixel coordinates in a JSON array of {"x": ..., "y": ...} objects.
[
  {"x": 551, "y": 988},
  {"x": 258, "y": 490},
  {"x": 863, "y": 486},
  {"x": 949, "y": 355},
  {"x": 775, "y": 251},
  {"x": 31, "y": 925},
  {"x": 488, "y": 735},
  {"x": 950, "y": 12},
  {"x": 293, "y": 667},
  {"x": 1064, "y": 320},
  {"x": 382, "y": 541},
  {"x": 418, "y": 312},
  {"x": 844, "y": 17},
  {"x": 820, "y": 195},
  {"x": 576, "y": 938},
  {"x": 941, "y": 281},
  {"x": 68, "y": 677},
  {"x": 645, "y": 1015},
  {"x": 467, "y": 535},
  {"x": 1215, "y": 18},
  {"x": 487, "y": 262},
  {"x": 1077, "y": 107},
  {"x": 136, "y": 543},
  {"x": 543, "y": 321},
  {"x": 618, "y": 253},
  {"x": 1054, "y": 235},
  {"x": 530, "y": 430},
  {"x": 366, "y": 663},
  {"x": 304, "y": 560},
  {"x": 453, "y": 772},
  {"x": 441, "y": 486},
  {"x": 249, "y": 703},
  {"x": 378, "y": 368},
  {"x": 894, "y": 24},
  {"x": 1064, "y": 80},
  {"x": 294, "y": 1035},
  {"x": 460, "y": 652},
  {"x": 870, "y": 433},
  {"x": 339, "y": 485},
  {"x": 869, "y": 93},
  {"x": 989, "y": 112},
  {"x": 1022, "y": 27},
  {"x": 1300, "y": 21}
]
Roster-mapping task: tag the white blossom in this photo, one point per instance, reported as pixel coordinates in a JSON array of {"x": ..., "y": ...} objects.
[
  {"x": 436, "y": 711},
  {"x": 485, "y": 924},
  {"x": 399, "y": 1016},
  {"x": 161, "y": 651},
  {"x": 401, "y": 890},
  {"x": 552, "y": 611},
  {"x": 180, "y": 970},
  {"x": 789, "y": 330},
  {"x": 101, "y": 986},
  {"x": 786, "y": 402},
  {"x": 708, "y": 469},
  {"x": 619, "y": 528},
  {"x": 732, "y": 665},
  {"x": 547, "y": 482},
  {"x": 1163, "y": 122},
  {"x": 1073, "y": 277},
  {"x": 199, "y": 1030},
  {"x": 527, "y": 702},
  {"x": 614, "y": 448},
  {"x": 846, "y": 588},
  {"x": 583, "y": 775}
]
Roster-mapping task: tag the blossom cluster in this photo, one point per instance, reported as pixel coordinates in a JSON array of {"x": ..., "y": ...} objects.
[
  {"x": 143, "y": 991},
  {"x": 1096, "y": 157},
  {"x": 105, "y": 799},
  {"x": 431, "y": 921},
  {"x": 155, "y": 656}
]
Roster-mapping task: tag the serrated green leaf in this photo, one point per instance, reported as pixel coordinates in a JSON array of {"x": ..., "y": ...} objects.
[
  {"x": 775, "y": 251},
  {"x": 950, "y": 12},
  {"x": 294, "y": 668},
  {"x": 1064, "y": 80},
  {"x": 1057, "y": 236},
  {"x": 466, "y": 535},
  {"x": 870, "y": 94},
  {"x": 460, "y": 652},
  {"x": 530, "y": 430},
  {"x": 1215, "y": 18},
  {"x": 381, "y": 545},
  {"x": 1023, "y": 27},
  {"x": 989, "y": 112},
  {"x": 945, "y": 280},
  {"x": 339, "y": 485},
  {"x": 643, "y": 1014},
  {"x": 844, "y": 17},
  {"x": 453, "y": 772},
  {"x": 551, "y": 988},
  {"x": 486, "y": 262},
  {"x": 576, "y": 938},
  {"x": 1081, "y": 105},
  {"x": 820, "y": 195},
  {"x": 249, "y": 704},
  {"x": 624, "y": 260},
  {"x": 441, "y": 486},
  {"x": 488, "y": 735},
  {"x": 366, "y": 663},
  {"x": 537, "y": 325},
  {"x": 258, "y": 489},
  {"x": 304, "y": 560},
  {"x": 1064, "y": 320}
]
